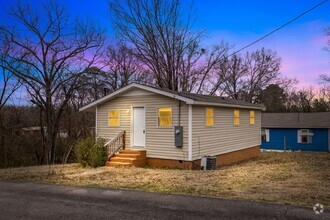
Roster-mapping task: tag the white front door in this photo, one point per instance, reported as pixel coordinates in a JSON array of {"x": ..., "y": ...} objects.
[{"x": 139, "y": 133}]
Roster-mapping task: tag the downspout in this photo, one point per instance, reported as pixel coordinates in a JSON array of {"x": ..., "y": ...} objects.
[
  {"x": 179, "y": 113},
  {"x": 190, "y": 132}
]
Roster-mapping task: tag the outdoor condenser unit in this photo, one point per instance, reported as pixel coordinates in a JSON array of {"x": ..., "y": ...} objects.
[{"x": 208, "y": 163}]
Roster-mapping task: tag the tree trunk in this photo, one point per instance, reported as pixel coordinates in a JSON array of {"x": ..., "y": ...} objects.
[
  {"x": 43, "y": 154},
  {"x": 49, "y": 125},
  {"x": 2, "y": 143},
  {"x": 67, "y": 154}
]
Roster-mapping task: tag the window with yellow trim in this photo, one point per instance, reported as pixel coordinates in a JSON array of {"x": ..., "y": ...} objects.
[
  {"x": 236, "y": 117},
  {"x": 164, "y": 117},
  {"x": 113, "y": 119},
  {"x": 252, "y": 117},
  {"x": 209, "y": 116}
]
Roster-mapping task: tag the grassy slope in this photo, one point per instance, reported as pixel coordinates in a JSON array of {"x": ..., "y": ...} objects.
[{"x": 291, "y": 178}]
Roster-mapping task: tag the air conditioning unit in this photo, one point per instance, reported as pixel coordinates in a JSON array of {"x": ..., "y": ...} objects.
[{"x": 208, "y": 163}]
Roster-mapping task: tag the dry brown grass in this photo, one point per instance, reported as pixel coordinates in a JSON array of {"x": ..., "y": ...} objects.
[{"x": 291, "y": 178}]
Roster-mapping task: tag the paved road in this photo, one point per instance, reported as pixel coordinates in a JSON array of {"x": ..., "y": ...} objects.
[{"x": 42, "y": 201}]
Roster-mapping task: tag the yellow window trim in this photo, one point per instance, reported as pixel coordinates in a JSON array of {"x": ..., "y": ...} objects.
[
  {"x": 114, "y": 118},
  {"x": 164, "y": 121},
  {"x": 209, "y": 117}
]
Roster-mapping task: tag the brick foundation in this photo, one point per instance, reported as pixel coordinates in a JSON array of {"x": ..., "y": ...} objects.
[
  {"x": 222, "y": 159},
  {"x": 237, "y": 156},
  {"x": 163, "y": 163}
]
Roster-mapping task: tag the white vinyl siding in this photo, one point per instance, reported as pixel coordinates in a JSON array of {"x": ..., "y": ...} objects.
[
  {"x": 224, "y": 137},
  {"x": 159, "y": 140}
]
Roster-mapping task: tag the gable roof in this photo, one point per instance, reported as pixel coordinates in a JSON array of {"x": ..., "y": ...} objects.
[
  {"x": 188, "y": 98},
  {"x": 296, "y": 120}
]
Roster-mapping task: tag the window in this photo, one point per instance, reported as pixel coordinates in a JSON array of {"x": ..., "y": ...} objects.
[
  {"x": 252, "y": 118},
  {"x": 264, "y": 135},
  {"x": 113, "y": 118},
  {"x": 164, "y": 117},
  {"x": 305, "y": 136},
  {"x": 209, "y": 117},
  {"x": 236, "y": 117},
  {"x": 304, "y": 139}
]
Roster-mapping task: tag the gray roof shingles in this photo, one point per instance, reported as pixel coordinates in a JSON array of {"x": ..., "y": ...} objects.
[
  {"x": 210, "y": 98},
  {"x": 296, "y": 120},
  {"x": 217, "y": 99}
]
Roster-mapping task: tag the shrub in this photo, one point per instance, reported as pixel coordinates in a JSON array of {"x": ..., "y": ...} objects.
[
  {"x": 98, "y": 155},
  {"x": 90, "y": 152}
]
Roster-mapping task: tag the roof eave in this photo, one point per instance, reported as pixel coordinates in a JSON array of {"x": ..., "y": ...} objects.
[
  {"x": 295, "y": 127},
  {"x": 229, "y": 105},
  {"x": 91, "y": 106}
]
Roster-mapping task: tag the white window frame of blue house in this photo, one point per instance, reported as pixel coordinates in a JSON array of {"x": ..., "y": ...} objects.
[
  {"x": 305, "y": 133},
  {"x": 265, "y": 132}
]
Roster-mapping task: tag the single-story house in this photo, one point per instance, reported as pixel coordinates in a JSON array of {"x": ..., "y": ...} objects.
[
  {"x": 296, "y": 131},
  {"x": 175, "y": 129}
]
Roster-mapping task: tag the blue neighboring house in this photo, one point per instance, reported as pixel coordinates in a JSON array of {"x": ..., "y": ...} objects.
[{"x": 296, "y": 131}]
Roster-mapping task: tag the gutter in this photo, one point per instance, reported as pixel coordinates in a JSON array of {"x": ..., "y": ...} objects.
[{"x": 228, "y": 105}]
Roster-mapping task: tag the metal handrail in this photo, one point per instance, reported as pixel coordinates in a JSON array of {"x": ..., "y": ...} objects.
[{"x": 115, "y": 144}]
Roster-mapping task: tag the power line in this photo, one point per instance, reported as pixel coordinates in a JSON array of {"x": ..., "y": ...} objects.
[{"x": 279, "y": 28}]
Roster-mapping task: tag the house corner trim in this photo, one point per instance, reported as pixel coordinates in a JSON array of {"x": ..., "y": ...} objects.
[
  {"x": 190, "y": 132},
  {"x": 95, "y": 122}
]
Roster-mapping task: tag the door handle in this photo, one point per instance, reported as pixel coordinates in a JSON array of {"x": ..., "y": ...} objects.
[{"x": 144, "y": 131}]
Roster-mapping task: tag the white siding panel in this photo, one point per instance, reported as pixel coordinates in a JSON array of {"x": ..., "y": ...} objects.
[
  {"x": 137, "y": 92},
  {"x": 159, "y": 140},
  {"x": 224, "y": 136}
]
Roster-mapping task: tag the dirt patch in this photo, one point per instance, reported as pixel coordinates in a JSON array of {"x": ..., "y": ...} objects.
[{"x": 291, "y": 178}]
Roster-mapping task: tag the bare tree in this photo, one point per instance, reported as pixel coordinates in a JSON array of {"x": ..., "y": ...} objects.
[
  {"x": 229, "y": 77},
  {"x": 161, "y": 33},
  {"x": 301, "y": 100},
  {"x": 92, "y": 87},
  {"x": 53, "y": 51},
  {"x": 262, "y": 69},
  {"x": 8, "y": 82},
  {"x": 243, "y": 77},
  {"x": 8, "y": 86},
  {"x": 122, "y": 67},
  {"x": 118, "y": 68},
  {"x": 287, "y": 84},
  {"x": 325, "y": 93}
]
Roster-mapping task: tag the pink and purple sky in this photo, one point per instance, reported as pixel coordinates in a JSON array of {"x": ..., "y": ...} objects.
[
  {"x": 300, "y": 44},
  {"x": 240, "y": 22}
]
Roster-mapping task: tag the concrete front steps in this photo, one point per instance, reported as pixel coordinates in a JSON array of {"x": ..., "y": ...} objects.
[{"x": 127, "y": 158}]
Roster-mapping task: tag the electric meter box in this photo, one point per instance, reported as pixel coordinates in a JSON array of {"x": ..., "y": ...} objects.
[{"x": 178, "y": 136}]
